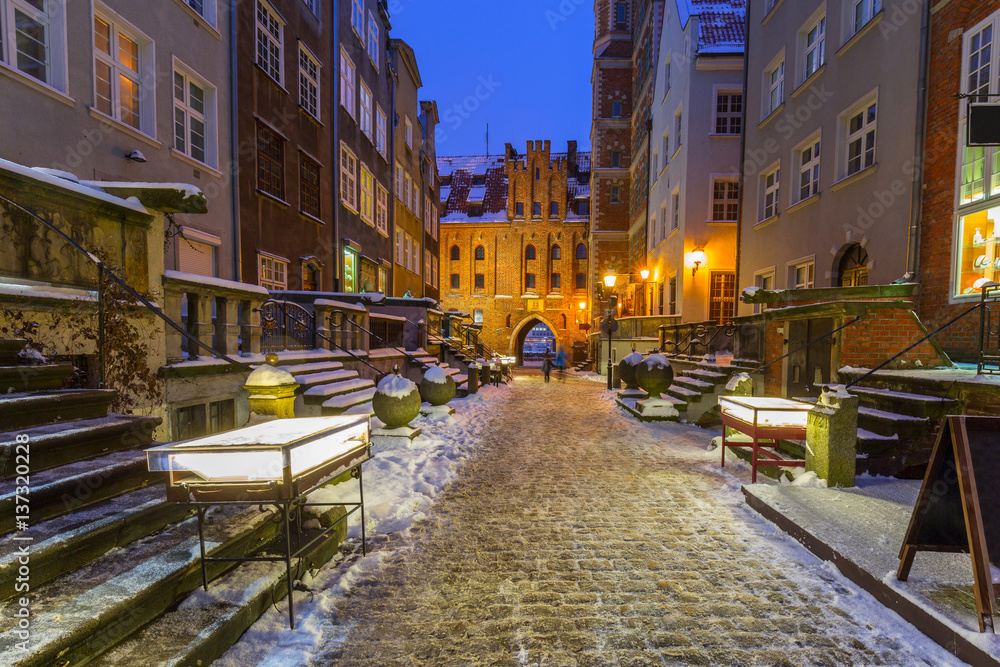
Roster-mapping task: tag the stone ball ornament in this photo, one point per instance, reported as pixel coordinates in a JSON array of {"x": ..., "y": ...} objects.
[
  {"x": 627, "y": 368},
  {"x": 437, "y": 387},
  {"x": 396, "y": 401},
  {"x": 654, "y": 374}
]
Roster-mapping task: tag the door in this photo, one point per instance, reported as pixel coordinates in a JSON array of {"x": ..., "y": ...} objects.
[{"x": 809, "y": 368}]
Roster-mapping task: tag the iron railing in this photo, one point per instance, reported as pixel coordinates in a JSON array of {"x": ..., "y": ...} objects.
[
  {"x": 378, "y": 373},
  {"x": 286, "y": 326},
  {"x": 697, "y": 336},
  {"x": 384, "y": 344},
  {"x": 989, "y": 331}
]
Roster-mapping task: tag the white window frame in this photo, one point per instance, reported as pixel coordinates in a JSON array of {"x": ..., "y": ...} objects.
[
  {"x": 427, "y": 266},
  {"x": 366, "y": 203},
  {"x": 399, "y": 181},
  {"x": 808, "y": 168},
  {"x": 435, "y": 274},
  {"x": 663, "y": 220},
  {"x": 348, "y": 83},
  {"x": 373, "y": 40},
  {"x": 869, "y": 127},
  {"x": 309, "y": 86},
  {"x": 759, "y": 280},
  {"x": 666, "y": 149},
  {"x": 367, "y": 101},
  {"x": 726, "y": 202},
  {"x": 267, "y": 265},
  {"x": 729, "y": 115},
  {"x": 808, "y": 266},
  {"x": 53, "y": 22},
  {"x": 774, "y": 85},
  {"x": 145, "y": 84},
  {"x": 980, "y": 163},
  {"x": 813, "y": 53},
  {"x": 861, "y": 12},
  {"x": 382, "y": 210},
  {"x": 678, "y": 128},
  {"x": 208, "y": 9},
  {"x": 267, "y": 24},
  {"x": 770, "y": 192},
  {"x": 675, "y": 209},
  {"x": 399, "y": 247},
  {"x": 358, "y": 19},
  {"x": 348, "y": 178},
  {"x": 408, "y": 132},
  {"x": 381, "y": 135},
  {"x": 208, "y": 117},
  {"x": 408, "y": 186},
  {"x": 427, "y": 214}
]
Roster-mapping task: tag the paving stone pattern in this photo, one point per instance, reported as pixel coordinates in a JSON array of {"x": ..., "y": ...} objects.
[{"x": 572, "y": 538}]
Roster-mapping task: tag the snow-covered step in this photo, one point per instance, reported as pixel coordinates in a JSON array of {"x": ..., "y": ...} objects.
[
  {"x": 33, "y": 378},
  {"x": 339, "y": 404},
  {"x": 460, "y": 379},
  {"x": 916, "y": 405},
  {"x": 21, "y": 411},
  {"x": 684, "y": 394},
  {"x": 430, "y": 361},
  {"x": 707, "y": 376},
  {"x": 874, "y": 443},
  {"x": 294, "y": 357},
  {"x": 309, "y": 380},
  {"x": 318, "y": 367},
  {"x": 325, "y": 391},
  {"x": 693, "y": 384},
  {"x": 891, "y": 423}
]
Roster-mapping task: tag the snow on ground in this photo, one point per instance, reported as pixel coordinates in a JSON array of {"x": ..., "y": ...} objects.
[{"x": 399, "y": 485}]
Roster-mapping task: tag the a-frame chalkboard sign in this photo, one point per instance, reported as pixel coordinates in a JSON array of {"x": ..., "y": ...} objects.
[{"x": 949, "y": 514}]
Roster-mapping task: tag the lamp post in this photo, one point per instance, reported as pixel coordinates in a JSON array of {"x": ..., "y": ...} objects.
[{"x": 609, "y": 283}]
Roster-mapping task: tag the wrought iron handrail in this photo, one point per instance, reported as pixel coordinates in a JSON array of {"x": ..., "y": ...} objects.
[
  {"x": 697, "y": 334},
  {"x": 493, "y": 353},
  {"x": 922, "y": 340},
  {"x": 379, "y": 374},
  {"x": 387, "y": 345},
  {"x": 267, "y": 319},
  {"x": 809, "y": 344},
  {"x": 102, "y": 269}
]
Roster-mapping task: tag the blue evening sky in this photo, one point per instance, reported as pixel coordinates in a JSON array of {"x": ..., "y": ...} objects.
[{"x": 523, "y": 66}]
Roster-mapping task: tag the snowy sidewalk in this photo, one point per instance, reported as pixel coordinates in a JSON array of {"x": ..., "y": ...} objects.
[{"x": 574, "y": 535}]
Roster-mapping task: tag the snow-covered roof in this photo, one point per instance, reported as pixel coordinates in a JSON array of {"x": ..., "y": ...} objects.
[
  {"x": 721, "y": 26},
  {"x": 69, "y": 183}
]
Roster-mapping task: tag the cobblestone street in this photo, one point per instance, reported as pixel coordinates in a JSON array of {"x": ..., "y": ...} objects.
[{"x": 576, "y": 536}]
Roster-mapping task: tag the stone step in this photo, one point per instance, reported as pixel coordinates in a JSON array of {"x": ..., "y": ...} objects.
[
  {"x": 299, "y": 357},
  {"x": 460, "y": 379},
  {"x": 66, "y": 543},
  {"x": 33, "y": 378},
  {"x": 694, "y": 384},
  {"x": 360, "y": 409},
  {"x": 339, "y": 405},
  {"x": 60, "y": 491},
  {"x": 87, "y": 611},
  {"x": 914, "y": 405},
  {"x": 317, "y": 367},
  {"x": 9, "y": 349},
  {"x": 309, "y": 380},
  {"x": 711, "y": 377},
  {"x": 890, "y": 423},
  {"x": 873, "y": 443},
  {"x": 53, "y": 445},
  {"x": 21, "y": 411},
  {"x": 323, "y": 392},
  {"x": 684, "y": 394}
]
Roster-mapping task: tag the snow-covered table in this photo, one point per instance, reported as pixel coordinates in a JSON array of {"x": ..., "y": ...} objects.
[
  {"x": 277, "y": 463},
  {"x": 765, "y": 421}
]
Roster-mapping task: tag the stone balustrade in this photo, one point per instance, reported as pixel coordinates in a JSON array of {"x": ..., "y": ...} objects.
[{"x": 343, "y": 323}]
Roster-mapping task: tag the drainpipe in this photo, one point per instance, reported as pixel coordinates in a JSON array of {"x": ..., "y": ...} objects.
[
  {"x": 919, "y": 152},
  {"x": 234, "y": 141},
  {"x": 649, "y": 168},
  {"x": 337, "y": 253},
  {"x": 391, "y": 131},
  {"x": 743, "y": 149}
]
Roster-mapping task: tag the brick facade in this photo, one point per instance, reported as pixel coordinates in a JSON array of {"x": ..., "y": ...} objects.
[
  {"x": 949, "y": 24},
  {"x": 509, "y": 221}
]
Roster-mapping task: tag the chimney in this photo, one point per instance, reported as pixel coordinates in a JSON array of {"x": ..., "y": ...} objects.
[{"x": 571, "y": 157}]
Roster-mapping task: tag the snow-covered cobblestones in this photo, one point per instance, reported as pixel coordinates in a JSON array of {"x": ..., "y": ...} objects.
[{"x": 574, "y": 535}]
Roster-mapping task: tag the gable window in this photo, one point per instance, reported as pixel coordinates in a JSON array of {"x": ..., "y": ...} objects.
[
  {"x": 728, "y": 113},
  {"x": 367, "y": 196},
  {"x": 358, "y": 19},
  {"x": 480, "y": 252},
  {"x": 775, "y": 87},
  {"x": 455, "y": 253},
  {"x": 556, "y": 252},
  {"x": 373, "y": 40},
  {"x": 861, "y": 139},
  {"x": 556, "y": 282},
  {"x": 273, "y": 272},
  {"x": 382, "y": 211},
  {"x": 308, "y": 81},
  {"x": 809, "y": 170},
  {"x": 771, "y": 182},
  {"x": 269, "y": 40},
  {"x": 815, "y": 47},
  {"x": 119, "y": 53},
  {"x": 309, "y": 187},
  {"x": 616, "y": 159},
  {"x": 863, "y": 12},
  {"x": 366, "y": 110},
  {"x": 270, "y": 162},
  {"x": 347, "y": 82},
  {"x": 615, "y": 196},
  {"x": 348, "y": 178},
  {"x": 380, "y": 131},
  {"x": 725, "y": 200},
  {"x": 529, "y": 252}
]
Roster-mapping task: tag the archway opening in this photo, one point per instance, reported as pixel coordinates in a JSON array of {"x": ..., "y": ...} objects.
[
  {"x": 533, "y": 340},
  {"x": 853, "y": 266}
]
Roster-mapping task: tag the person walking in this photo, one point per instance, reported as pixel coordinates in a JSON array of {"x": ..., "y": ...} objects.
[
  {"x": 562, "y": 361},
  {"x": 547, "y": 365}
]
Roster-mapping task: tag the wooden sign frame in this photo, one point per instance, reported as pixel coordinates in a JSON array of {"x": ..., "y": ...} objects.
[{"x": 948, "y": 516}]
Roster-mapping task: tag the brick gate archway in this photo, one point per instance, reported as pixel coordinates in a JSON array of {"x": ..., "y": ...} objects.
[{"x": 522, "y": 330}]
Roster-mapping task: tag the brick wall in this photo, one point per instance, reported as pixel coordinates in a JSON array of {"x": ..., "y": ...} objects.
[{"x": 948, "y": 26}]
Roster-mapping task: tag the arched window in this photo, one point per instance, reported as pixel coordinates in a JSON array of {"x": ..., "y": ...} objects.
[
  {"x": 563, "y": 321},
  {"x": 508, "y": 320},
  {"x": 556, "y": 252},
  {"x": 529, "y": 252},
  {"x": 480, "y": 252},
  {"x": 581, "y": 251},
  {"x": 455, "y": 253}
]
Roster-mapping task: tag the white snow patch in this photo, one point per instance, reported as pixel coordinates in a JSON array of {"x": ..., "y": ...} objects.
[
  {"x": 809, "y": 480},
  {"x": 633, "y": 359},
  {"x": 396, "y": 386},
  {"x": 269, "y": 376},
  {"x": 436, "y": 375},
  {"x": 735, "y": 381},
  {"x": 656, "y": 361}
]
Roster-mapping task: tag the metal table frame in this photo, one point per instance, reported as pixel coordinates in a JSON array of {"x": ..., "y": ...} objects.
[
  {"x": 289, "y": 512},
  {"x": 770, "y": 435}
]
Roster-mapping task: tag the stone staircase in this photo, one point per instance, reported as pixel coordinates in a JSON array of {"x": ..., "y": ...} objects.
[
  {"x": 112, "y": 564},
  {"x": 325, "y": 386},
  {"x": 698, "y": 383}
]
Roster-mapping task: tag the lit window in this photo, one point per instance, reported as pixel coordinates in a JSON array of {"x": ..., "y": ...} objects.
[
  {"x": 309, "y": 186},
  {"x": 269, "y": 36},
  {"x": 347, "y": 82},
  {"x": 348, "y": 178},
  {"x": 350, "y": 270},
  {"x": 728, "y": 113},
  {"x": 725, "y": 200},
  {"x": 367, "y": 196},
  {"x": 118, "y": 60},
  {"x": 802, "y": 275},
  {"x": 270, "y": 162},
  {"x": 273, "y": 272},
  {"x": 308, "y": 81},
  {"x": 477, "y": 316},
  {"x": 722, "y": 297},
  {"x": 809, "y": 170},
  {"x": 772, "y": 182},
  {"x": 861, "y": 139}
]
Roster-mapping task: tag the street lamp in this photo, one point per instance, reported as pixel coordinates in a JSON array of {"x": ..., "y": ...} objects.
[
  {"x": 609, "y": 283},
  {"x": 696, "y": 258}
]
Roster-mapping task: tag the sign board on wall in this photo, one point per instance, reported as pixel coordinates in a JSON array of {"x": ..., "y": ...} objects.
[{"x": 534, "y": 305}]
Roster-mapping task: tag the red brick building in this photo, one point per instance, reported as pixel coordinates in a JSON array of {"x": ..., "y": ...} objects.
[
  {"x": 514, "y": 251},
  {"x": 961, "y": 184}
]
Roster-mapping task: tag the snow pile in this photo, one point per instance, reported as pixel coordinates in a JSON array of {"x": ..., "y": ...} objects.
[
  {"x": 269, "y": 376},
  {"x": 436, "y": 375},
  {"x": 735, "y": 381},
  {"x": 833, "y": 394},
  {"x": 809, "y": 480},
  {"x": 31, "y": 357},
  {"x": 656, "y": 361},
  {"x": 634, "y": 359},
  {"x": 658, "y": 408},
  {"x": 396, "y": 386}
]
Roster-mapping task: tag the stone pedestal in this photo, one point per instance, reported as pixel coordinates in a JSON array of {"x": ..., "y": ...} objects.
[
  {"x": 472, "y": 383},
  {"x": 272, "y": 392},
  {"x": 832, "y": 438}
]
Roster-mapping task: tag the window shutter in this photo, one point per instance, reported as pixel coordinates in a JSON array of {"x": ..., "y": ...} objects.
[{"x": 197, "y": 258}]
